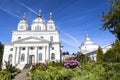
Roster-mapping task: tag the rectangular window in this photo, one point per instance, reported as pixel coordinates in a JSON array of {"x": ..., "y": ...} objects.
[
  {"x": 32, "y": 48},
  {"x": 11, "y": 49},
  {"x": 41, "y": 37},
  {"x": 23, "y": 48},
  {"x": 52, "y": 48},
  {"x": 40, "y": 48},
  {"x": 51, "y": 38},
  {"x": 19, "y": 38}
]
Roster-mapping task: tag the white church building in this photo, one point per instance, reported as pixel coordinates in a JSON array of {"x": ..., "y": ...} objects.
[
  {"x": 35, "y": 44},
  {"x": 89, "y": 48}
]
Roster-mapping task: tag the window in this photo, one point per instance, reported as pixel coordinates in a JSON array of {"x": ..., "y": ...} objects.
[
  {"x": 40, "y": 48},
  {"x": 41, "y": 37},
  {"x": 52, "y": 56},
  {"x": 40, "y": 56},
  {"x": 19, "y": 38},
  {"x": 51, "y": 38},
  {"x": 52, "y": 48},
  {"x": 11, "y": 49},
  {"x": 10, "y": 57},
  {"x": 23, "y": 48},
  {"x": 32, "y": 48},
  {"x": 50, "y": 27},
  {"x": 21, "y": 27},
  {"x": 22, "y": 57},
  {"x": 38, "y": 28}
]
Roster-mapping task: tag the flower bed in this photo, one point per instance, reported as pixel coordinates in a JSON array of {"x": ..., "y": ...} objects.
[{"x": 71, "y": 64}]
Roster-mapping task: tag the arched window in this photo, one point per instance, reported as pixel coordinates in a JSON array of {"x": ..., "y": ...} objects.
[
  {"x": 52, "y": 56},
  {"x": 22, "y": 57},
  {"x": 37, "y": 27},
  {"x": 40, "y": 56},
  {"x": 10, "y": 57}
]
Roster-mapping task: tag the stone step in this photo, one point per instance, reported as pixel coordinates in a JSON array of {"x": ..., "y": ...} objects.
[{"x": 27, "y": 66}]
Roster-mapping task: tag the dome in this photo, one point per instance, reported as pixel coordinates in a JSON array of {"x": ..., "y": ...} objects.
[
  {"x": 39, "y": 19},
  {"x": 22, "y": 25},
  {"x": 23, "y": 20},
  {"x": 88, "y": 45},
  {"x": 51, "y": 18}
]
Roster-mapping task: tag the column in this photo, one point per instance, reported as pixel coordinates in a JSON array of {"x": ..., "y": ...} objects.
[
  {"x": 45, "y": 52},
  {"x": 26, "y": 56},
  {"x": 17, "y": 54},
  {"x": 36, "y": 56}
]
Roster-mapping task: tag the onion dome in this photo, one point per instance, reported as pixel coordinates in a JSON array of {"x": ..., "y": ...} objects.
[
  {"x": 23, "y": 20},
  {"x": 51, "y": 18},
  {"x": 22, "y": 25},
  {"x": 39, "y": 18},
  {"x": 51, "y": 24}
]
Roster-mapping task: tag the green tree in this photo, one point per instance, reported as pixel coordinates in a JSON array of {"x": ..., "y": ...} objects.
[
  {"x": 111, "y": 19},
  {"x": 100, "y": 55},
  {"x": 113, "y": 54},
  {"x": 1, "y": 53}
]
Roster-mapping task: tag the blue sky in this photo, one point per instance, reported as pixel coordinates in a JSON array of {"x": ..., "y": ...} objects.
[{"x": 74, "y": 18}]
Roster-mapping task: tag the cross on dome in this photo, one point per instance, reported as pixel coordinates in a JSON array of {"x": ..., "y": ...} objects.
[
  {"x": 87, "y": 37},
  {"x": 39, "y": 13},
  {"x": 24, "y": 16},
  {"x": 50, "y": 15}
]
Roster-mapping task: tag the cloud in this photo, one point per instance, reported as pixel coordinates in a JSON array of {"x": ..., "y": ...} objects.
[
  {"x": 72, "y": 38},
  {"x": 69, "y": 40},
  {"x": 9, "y": 12},
  {"x": 30, "y": 9}
]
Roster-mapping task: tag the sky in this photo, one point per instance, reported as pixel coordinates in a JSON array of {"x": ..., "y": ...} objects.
[{"x": 74, "y": 19}]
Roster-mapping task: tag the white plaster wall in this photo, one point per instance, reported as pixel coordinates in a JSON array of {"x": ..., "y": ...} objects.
[
  {"x": 46, "y": 35},
  {"x": 7, "y": 52}
]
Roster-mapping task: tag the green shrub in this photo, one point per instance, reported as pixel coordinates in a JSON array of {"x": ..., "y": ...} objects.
[
  {"x": 5, "y": 75},
  {"x": 89, "y": 71}
]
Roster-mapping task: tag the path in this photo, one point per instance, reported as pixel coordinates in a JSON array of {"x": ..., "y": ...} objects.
[{"x": 22, "y": 75}]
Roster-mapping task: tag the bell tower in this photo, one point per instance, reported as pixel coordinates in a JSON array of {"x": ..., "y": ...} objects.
[
  {"x": 22, "y": 25},
  {"x": 51, "y": 24}
]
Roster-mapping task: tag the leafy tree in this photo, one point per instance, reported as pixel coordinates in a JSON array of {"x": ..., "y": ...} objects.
[
  {"x": 66, "y": 53},
  {"x": 1, "y": 53},
  {"x": 99, "y": 55},
  {"x": 113, "y": 54},
  {"x": 111, "y": 19}
]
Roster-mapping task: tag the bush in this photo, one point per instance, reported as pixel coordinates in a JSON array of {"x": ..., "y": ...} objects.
[
  {"x": 5, "y": 75},
  {"x": 90, "y": 71}
]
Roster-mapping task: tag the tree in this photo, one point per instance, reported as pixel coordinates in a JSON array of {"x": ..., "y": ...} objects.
[
  {"x": 111, "y": 19},
  {"x": 113, "y": 54},
  {"x": 1, "y": 53},
  {"x": 66, "y": 53},
  {"x": 100, "y": 55}
]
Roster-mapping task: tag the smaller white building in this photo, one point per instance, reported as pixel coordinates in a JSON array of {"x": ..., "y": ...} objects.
[
  {"x": 89, "y": 48},
  {"x": 88, "y": 45}
]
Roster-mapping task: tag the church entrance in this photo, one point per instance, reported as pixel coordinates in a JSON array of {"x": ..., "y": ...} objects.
[{"x": 31, "y": 59}]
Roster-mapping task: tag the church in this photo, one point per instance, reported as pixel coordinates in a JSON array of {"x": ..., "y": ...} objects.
[
  {"x": 89, "y": 48},
  {"x": 35, "y": 43}
]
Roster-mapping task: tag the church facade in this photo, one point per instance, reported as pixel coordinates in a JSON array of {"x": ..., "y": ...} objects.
[{"x": 36, "y": 44}]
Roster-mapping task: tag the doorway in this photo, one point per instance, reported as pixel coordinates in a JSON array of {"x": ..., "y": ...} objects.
[{"x": 31, "y": 59}]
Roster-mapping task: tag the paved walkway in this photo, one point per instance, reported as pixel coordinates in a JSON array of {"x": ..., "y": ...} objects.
[{"x": 22, "y": 75}]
